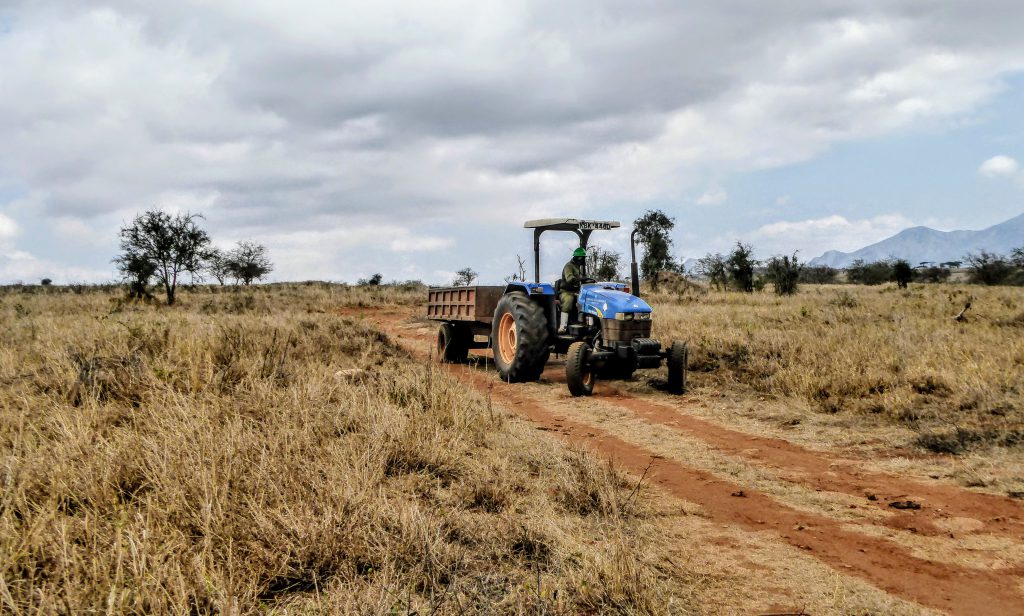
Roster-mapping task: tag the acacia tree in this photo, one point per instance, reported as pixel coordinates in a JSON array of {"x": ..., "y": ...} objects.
[
  {"x": 1017, "y": 257},
  {"x": 171, "y": 245},
  {"x": 989, "y": 268},
  {"x": 136, "y": 270},
  {"x": 902, "y": 273},
  {"x": 713, "y": 267},
  {"x": 248, "y": 262},
  {"x": 464, "y": 277},
  {"x": 741, "y": 264},
  {"x": 217, "y": 265},
  {"x": 784, "y": 273},
  {"x": 603, "y": 264},
  {"x": 653, "y": 231}
]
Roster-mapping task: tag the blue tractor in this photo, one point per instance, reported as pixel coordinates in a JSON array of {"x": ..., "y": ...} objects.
[{"x": 608, "y": 336}]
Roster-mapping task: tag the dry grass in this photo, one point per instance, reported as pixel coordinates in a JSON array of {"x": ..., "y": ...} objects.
[
  {"x": 877, "y": 353},
  {"x": 252, "y": 451}
]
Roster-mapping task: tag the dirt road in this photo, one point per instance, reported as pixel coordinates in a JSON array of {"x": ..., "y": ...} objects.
[{"x": 960, "y": 552}]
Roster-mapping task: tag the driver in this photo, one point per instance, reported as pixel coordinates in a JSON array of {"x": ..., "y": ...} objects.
[{"x": 570, "y": 287}]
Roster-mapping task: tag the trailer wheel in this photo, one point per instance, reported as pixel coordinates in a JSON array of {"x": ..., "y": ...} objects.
[
  {"x": 578, "y": 374},
  {"x": 677, "y": 357},
  {"x": 519, "y": 338},
  {"x": 452, "y": 343}
]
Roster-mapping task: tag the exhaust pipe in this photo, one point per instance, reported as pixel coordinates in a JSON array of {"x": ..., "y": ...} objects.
[{"x": 634, "y": 272}]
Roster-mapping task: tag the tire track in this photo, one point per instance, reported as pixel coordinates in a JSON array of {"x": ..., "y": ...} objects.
[{"x": 888, "y": 566}]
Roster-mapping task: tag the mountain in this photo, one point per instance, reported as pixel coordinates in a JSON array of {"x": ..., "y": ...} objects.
[{"x": 919, "y": 244}]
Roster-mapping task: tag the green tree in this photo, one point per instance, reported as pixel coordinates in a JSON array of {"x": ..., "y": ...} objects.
[
  {"x": 989, "y": 268},
  {"x": 464, "y": 277},
  {"x": 166, "y": 245},
  {"x": 653, "y": 230},
  {"x": 874, "y": 273},
  {"x": 902, "y": 273},
  {"x": 741, "y": 264},
  {"x": 1017, "y": 257},
  {"x": 714, "y": 268},
  {"x": 217, "y": 265},
  {"x": 603, "y": 264},
  {"x": 935, "y": 273},
  {"x": 818, "y": 274},
  {"x": 784, "y": 273},
  {"x": 248, "y": 262}
]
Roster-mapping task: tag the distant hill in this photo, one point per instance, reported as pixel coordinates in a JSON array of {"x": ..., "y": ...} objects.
[{"x": 919, "y": 244}]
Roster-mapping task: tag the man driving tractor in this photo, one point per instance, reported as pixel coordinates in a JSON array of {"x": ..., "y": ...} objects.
[{"x": 569, "y": 289}]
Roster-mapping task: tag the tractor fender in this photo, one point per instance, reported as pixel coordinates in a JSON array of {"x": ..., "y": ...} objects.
[{"x": 529, "y": 288}]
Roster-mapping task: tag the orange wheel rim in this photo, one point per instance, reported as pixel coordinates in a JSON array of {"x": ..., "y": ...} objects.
[
  {"x": 507, "y": 338},
  {"x": 588, "y": 378}
]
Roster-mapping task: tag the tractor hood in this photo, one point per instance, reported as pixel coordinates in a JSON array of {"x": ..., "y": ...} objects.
[{"x": 604, "y": 300}]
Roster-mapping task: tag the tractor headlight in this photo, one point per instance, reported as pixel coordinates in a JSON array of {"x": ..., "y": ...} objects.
[
  {"x": 623, "y": 316},
  {"x": 643, "y": 316}
]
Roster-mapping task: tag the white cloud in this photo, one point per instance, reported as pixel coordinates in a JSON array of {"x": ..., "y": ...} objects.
[
  {"x": 8, "y": 228},
  {"x": 278, "y": 119},
  {"x": 713, "y": 196},
  {"x": 21, "y": 266},
  {"x": 999, "y": 166},
  {"x": 814, "y": 237},
  {"x": 426, "y": 243}
]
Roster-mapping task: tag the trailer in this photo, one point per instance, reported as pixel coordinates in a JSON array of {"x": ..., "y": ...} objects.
[{"x": 465, "y": 314}]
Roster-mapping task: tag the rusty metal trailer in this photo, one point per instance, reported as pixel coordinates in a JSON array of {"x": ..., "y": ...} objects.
[{"x": 465, "y": 314}]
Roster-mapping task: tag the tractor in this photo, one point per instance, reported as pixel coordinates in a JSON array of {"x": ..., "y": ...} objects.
[{"x": 609, "y": 336}]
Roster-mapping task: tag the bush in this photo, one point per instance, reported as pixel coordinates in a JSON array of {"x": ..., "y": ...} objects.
[
  {"x": 878, "y": 272},
  {"x": 741, "y": 266},
  {"x": 933, "y": 274},
  {"x": 989, "y": 268},
  {"x": 783, "y": 272},
  {"x": 902, "y": 273},
  {"x": 818, "y": 274}
]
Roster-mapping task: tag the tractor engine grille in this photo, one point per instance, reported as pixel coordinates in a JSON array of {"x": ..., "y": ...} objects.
[
  {"x": 646, "y": 346},
  {"x": 613, "y": 331}
]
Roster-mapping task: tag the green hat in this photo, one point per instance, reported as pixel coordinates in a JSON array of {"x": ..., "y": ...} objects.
[{"x": 579, "y": 252}]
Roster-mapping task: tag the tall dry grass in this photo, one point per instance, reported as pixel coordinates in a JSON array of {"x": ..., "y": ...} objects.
[
  {"x": 256, "y": 451},
  {"x": 888, "y": 354}
]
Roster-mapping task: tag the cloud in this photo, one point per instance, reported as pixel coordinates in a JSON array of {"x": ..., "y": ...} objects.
[
  {"x": 21, "y": 266},
  {"x": 410, "y": 243},
  {"x": 8, "y": 228},
  {"x": 999, "y": 166},
  {"x": 713, "y": 196},
  {"x": 813, "y": 237},
  {"x": 279, "y": 120}
]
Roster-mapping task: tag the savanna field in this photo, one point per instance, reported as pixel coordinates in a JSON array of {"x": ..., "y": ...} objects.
[{"x": 275, "y": 449}]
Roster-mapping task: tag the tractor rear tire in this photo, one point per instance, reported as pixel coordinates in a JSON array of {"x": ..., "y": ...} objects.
[
  {"x": 578, "y": 375},
  {"x": 519, "y": 338},
  {"x": 678, "y": 355},
  {"x": 453, "y": 343}
]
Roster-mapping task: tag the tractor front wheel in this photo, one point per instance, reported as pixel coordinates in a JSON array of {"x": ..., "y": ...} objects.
[
  {"x": 453, "y": 343},
  {"x": 578, "y": 374},
  {"x": 677, "y": 358},
  {"x": 519, "y": 338}
]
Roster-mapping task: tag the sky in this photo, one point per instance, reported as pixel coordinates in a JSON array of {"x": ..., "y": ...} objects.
[{"x": 414, "y": 138}]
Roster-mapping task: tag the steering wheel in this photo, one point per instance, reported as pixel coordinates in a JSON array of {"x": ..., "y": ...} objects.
[{"x": 587, "y": 281}]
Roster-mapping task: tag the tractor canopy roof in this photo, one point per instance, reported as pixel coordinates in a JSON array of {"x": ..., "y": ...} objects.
[{"x": 571, "y": 224}]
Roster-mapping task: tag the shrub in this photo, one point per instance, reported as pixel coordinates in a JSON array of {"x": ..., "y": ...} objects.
[
  {"x": 741, "y": 264},
  {"x": 878, "y": 272},
  {"x": 902, "y": 273},
  {"x": 818, "y": 274},
  {"x": 783, "y": 272},
  {"x": 989, "y": 268}
]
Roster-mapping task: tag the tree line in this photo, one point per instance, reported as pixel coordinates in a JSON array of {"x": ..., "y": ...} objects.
[
  {"x": 163, "y": 247},
  {"x": 739, "y": 270}
]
